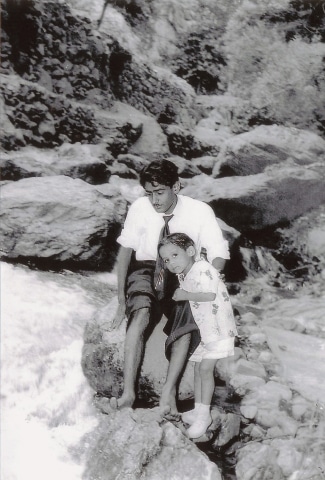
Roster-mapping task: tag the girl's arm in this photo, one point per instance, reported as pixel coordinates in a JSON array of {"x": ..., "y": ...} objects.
[{"x": 182, "y": 295}]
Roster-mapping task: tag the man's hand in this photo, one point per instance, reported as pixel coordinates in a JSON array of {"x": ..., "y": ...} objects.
[
  {"x": 119, "y": 317},
  {"x": 180, "y": 295}
]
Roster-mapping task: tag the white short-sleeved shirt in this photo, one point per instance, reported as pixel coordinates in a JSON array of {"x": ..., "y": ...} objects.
[
  {"x": 143, "y": 225},
  {"x": 215, "y": 319}
]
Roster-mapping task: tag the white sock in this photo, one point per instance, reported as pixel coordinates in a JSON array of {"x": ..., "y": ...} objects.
[{"x": 204, "y": 409}]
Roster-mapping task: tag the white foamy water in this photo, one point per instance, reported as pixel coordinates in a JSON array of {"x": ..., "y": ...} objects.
[
  {"x": 46, "y": 401},
  {"x": 48, "y": 420}
]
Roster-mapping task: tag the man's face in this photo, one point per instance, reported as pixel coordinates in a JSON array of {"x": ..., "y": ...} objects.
[{"x": 162, "y": 198}]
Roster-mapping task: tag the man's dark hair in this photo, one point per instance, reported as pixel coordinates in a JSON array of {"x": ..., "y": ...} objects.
[
  {"x": 179, "y": 239},
  {"x": 163, "y": 172}
]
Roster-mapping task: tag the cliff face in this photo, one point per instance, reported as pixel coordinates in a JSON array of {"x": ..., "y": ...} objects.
[{"x": 265, "y": 55}]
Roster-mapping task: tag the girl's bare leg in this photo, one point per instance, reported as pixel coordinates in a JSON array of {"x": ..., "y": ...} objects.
[{"x": 207, "y": 380}]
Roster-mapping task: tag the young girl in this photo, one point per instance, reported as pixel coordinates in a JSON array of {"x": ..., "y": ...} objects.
[{"x": 201, "y": 285}]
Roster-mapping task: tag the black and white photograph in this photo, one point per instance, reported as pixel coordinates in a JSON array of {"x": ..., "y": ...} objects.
[{"x": 162, "y": 240}]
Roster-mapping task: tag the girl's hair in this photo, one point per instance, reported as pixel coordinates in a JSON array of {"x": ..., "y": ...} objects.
[
  {"x": 163, "y": 172},
  {"x": 180, "y": 239}
]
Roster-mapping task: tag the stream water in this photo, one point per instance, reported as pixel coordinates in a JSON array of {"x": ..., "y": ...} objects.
[{"x": 46, "y": 401}]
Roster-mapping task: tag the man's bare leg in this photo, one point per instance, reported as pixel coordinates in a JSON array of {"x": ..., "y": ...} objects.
[
  {"x": 179, "y": 351},
  {"x": 134, "y": 343}
]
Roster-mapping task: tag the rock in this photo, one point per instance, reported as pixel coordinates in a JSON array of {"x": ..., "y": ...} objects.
[
  {"x": 216, "y": 108},
  {"x": 226, "y": 367},
  {"x": 29, "y": 105},
  {"x": 63, "y": 86},
  {"x": 128, "y": 188},
  {"x": 180, "y": 459},
  {"x": 250, "y": 153},
  {"x": 270, "y": 418},
  {"x": 210, "y": 137},
  {"x": 140, "y": 85},
  {"x": 255, "y": 431},
  {"x": 268, "y": 199},
  {"x": 82, "y": 223},
  {"x": 11, "y": 137},
  {"x": 121, "y": 170},
  {"x": 109, "y": 190},
  {"x": 103, "y": 354},
  {"x": 249, "y": 411},
  {"x": 87, "y": 162},
  {"x": 316, "y": 242},
  {"x": 273, "y": 392},
  {"x": 45, "y": 80},
  {"x": 263, "y": 405},
  {"x": 249, "y": 318},
  {"x": 288, "y": 425},
  {"x": 289, "y": 458},
  {"x": 186, "y": 169},
  {"x": 113, "y": 453},
  {"x": 299, "y": 407},
  {"x": 151, "y": 138},
  {"x": 245, "y": 367},
  {"x": 47, "y": 128},
  {"x": 243, "y": 384},
  {"x": 205, "y": 163},
  {"x": 257, "y": 339},
  {"x": 134, "y": 162},
  {"x": 265, "y": 357},
  {"x": 229, "y": 429},
  {"x": 304, "y": 372},
  {"x": 257, "y": 461},
  {"x": 306, "y": 315},
  {"x": 183, "y": 143}
]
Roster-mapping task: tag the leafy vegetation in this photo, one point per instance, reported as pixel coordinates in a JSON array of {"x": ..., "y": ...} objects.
[{"x": 275, "y": 64}]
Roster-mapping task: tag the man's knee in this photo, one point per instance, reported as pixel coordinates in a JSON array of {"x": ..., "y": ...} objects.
[
  {"x": 181, "y": 345},
  {"x": 184, "y": 340},
  {"x": 140, "y": 320}
]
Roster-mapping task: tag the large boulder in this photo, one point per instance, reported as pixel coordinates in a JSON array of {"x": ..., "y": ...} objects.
[
  {"x": 185, "y": 143},
  {"x": 103, "y": 356},
  {"x": 251, "y": 152},
  {"x": 151, "y": 139},
  {"x": 58, "y": 220},
  {"x": 84, "y": 161},
  {"x": 134, "y": 444},
  {"x": 268, "y": 199}
]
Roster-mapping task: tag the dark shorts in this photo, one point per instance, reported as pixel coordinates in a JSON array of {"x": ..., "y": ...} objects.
[{"x": 140, "y": 293}]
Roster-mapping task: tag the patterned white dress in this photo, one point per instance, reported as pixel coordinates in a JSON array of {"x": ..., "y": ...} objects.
[{"x": 215, "y": 319}]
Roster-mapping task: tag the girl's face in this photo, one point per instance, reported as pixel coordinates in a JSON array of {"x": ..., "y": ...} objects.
[{"x": 177, "y": 260}]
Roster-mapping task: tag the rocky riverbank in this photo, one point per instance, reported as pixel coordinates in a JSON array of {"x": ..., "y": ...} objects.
[{"x": 84, "y": 109}]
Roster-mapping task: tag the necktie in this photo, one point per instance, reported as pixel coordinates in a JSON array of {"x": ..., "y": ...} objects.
[{"x": 159, "y": 275}]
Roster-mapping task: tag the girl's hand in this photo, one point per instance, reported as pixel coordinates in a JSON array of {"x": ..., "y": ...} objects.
[{"x": 180, "y": 295}]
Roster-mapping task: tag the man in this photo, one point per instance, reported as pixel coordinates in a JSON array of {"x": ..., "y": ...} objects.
[{"x": 144, "y": 292}]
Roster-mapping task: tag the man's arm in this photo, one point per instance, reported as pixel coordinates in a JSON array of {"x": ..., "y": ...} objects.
[
  {"x": 219, "y": 263},
  {"x": 212, "y": 239},
  {"x": 123, "y": 262}
]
